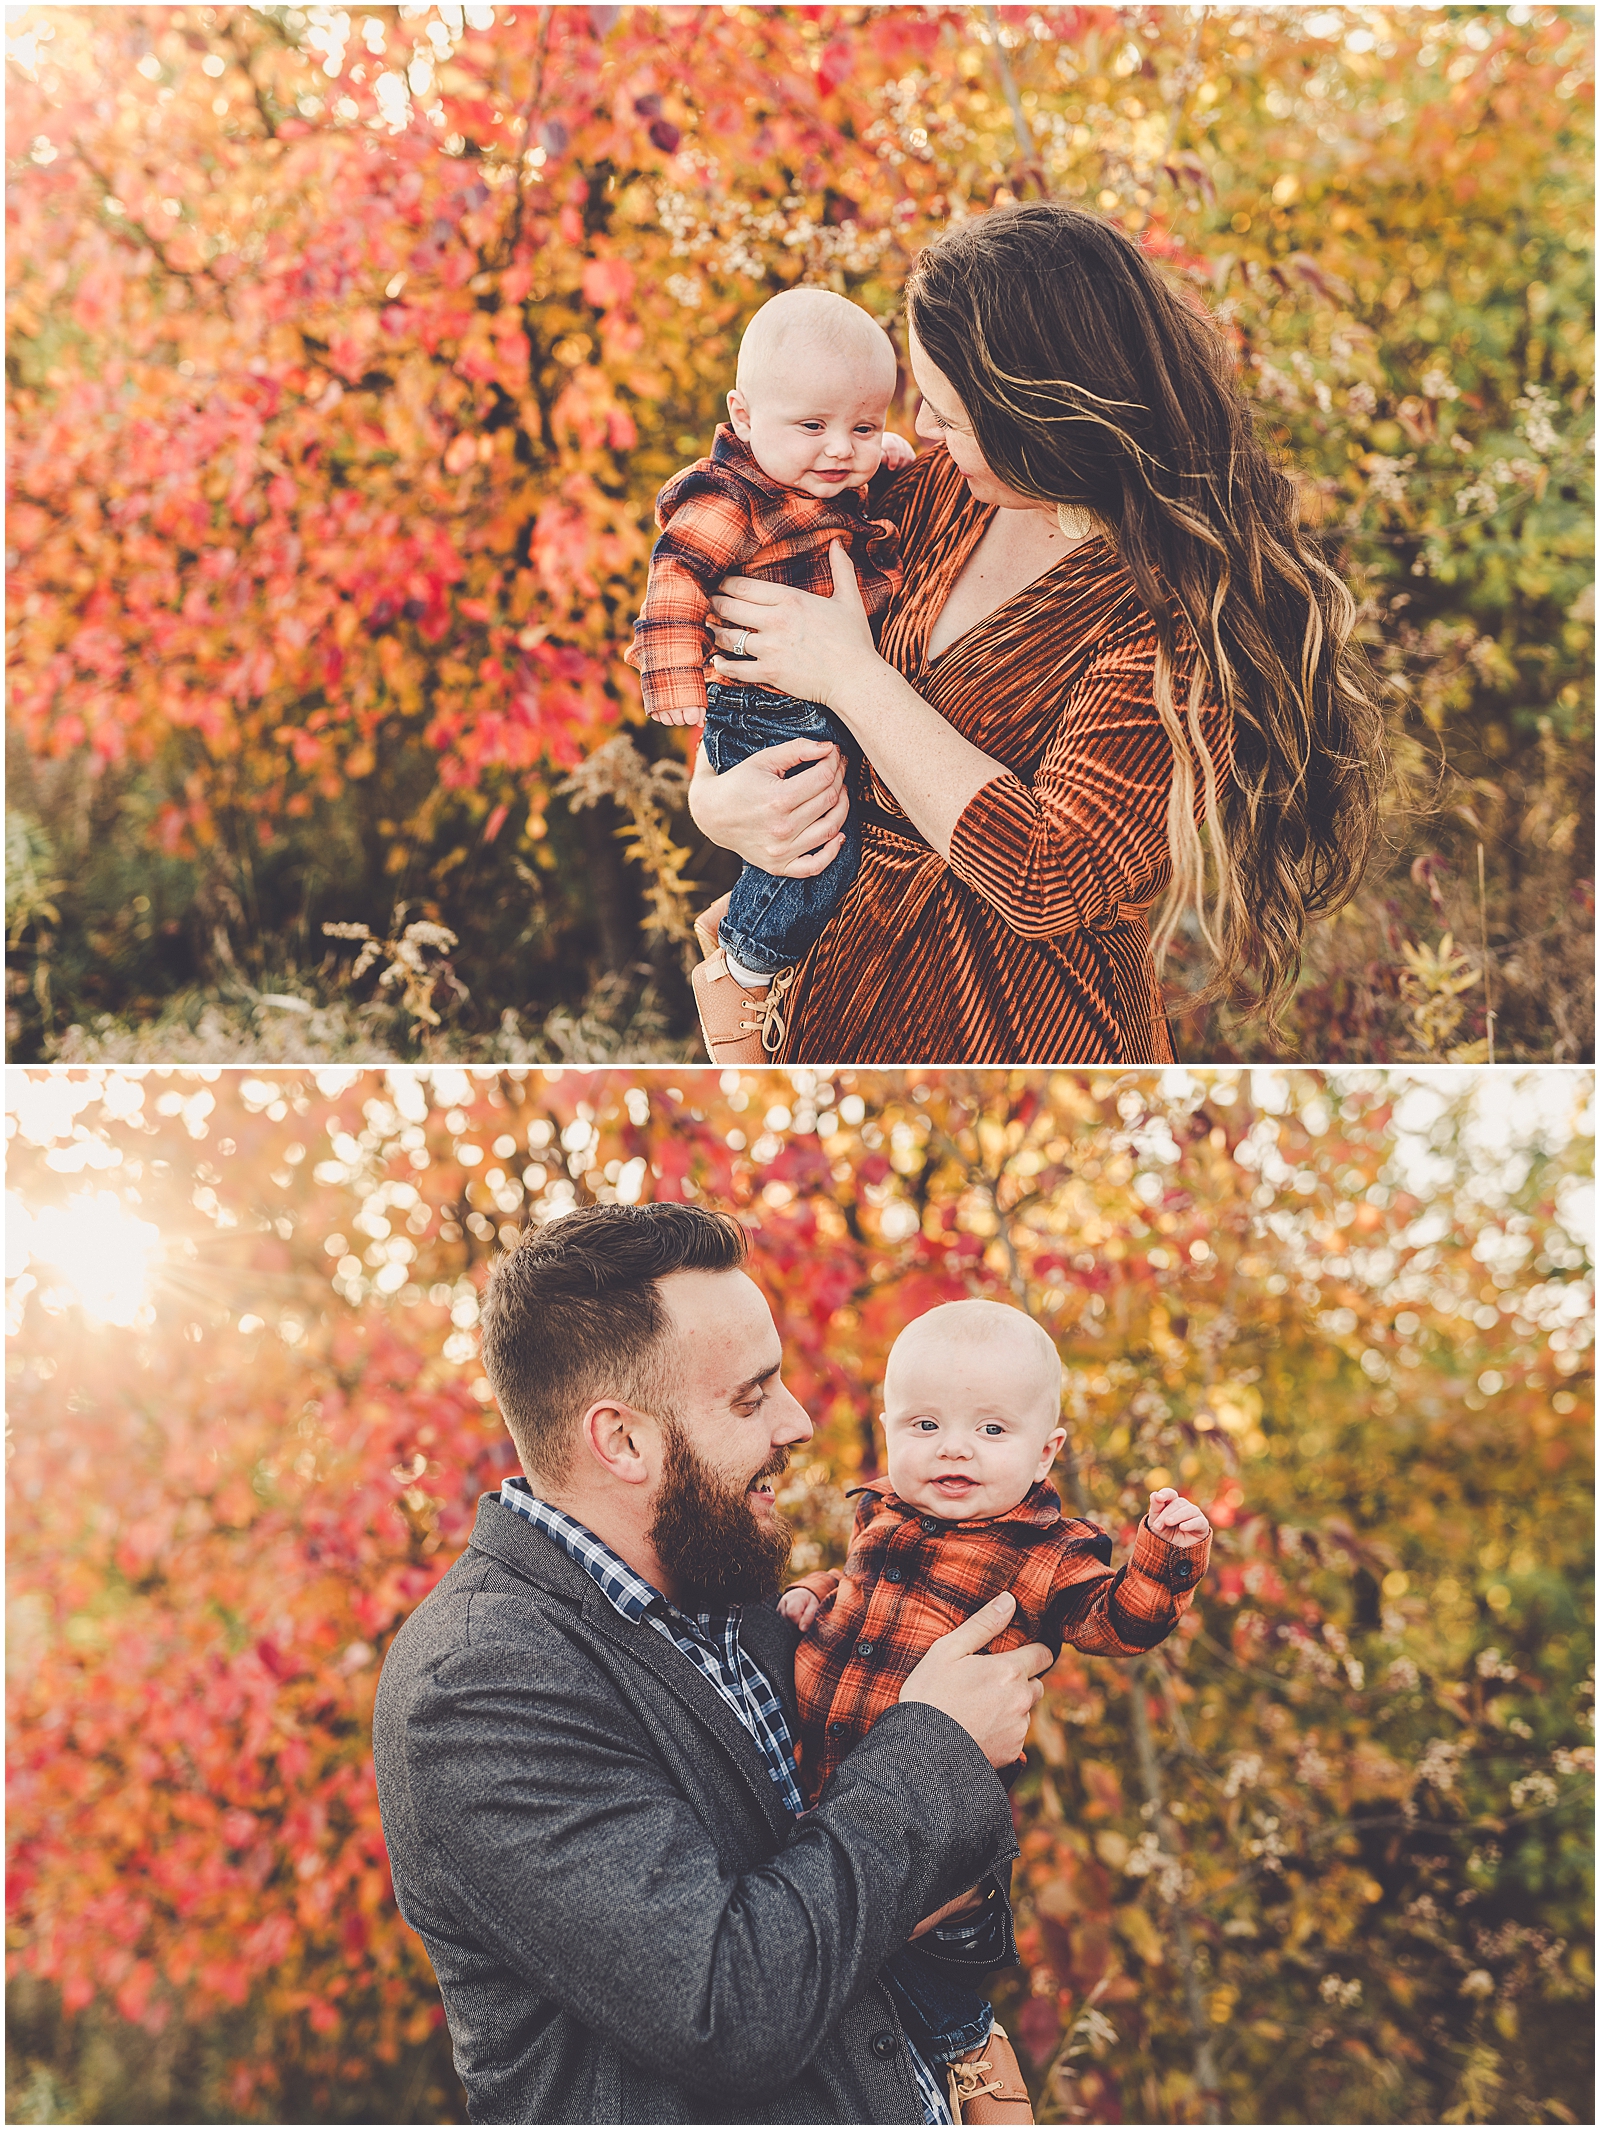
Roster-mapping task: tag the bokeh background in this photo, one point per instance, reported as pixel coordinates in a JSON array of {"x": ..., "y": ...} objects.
[
  {"x": 1326, "y": 1857},
  {"x": 348, "y": 348}
]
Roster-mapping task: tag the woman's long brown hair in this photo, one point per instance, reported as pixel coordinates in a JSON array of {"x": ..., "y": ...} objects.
[{"x": 1091, "y": 385}]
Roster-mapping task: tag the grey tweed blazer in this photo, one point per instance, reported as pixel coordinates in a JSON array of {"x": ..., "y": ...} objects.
[{"x": 625, "y": 1924}]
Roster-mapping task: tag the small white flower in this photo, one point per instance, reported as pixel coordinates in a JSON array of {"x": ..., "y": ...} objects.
[
  {"x": 1244, "y": 1772},
  {"x": 1536, "y": 1789},
  {"x": 1438, "y": 1764},
  {"x": 1537, "y": 407},
  {"x": 1386, "y": 476}
]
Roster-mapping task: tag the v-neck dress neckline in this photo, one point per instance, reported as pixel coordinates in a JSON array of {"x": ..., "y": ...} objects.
[{"x": 966, "y": 544}]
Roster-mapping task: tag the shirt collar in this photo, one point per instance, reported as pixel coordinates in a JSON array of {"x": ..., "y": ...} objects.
[
  {"x": 735, "y": 456},
  {"x": 625, "y": 1588},
  {"x": 1040, "y": 1506}
]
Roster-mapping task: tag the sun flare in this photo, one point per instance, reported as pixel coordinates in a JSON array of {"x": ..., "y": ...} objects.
[{"x": 90, "y": 1252}]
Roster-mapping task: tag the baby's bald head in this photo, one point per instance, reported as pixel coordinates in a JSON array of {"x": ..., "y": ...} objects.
[
  {"x": 1018, "y": 1354},
  {"x": 803, "y": 325}
]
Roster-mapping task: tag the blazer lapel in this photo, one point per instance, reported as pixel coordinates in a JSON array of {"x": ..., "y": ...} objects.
[
  {"x": 532, "y": 1554},
  {"x": 674, "y": 1670}
]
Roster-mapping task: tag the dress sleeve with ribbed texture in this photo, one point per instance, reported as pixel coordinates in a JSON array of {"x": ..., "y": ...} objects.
[{"x": 1088, "y": 837}]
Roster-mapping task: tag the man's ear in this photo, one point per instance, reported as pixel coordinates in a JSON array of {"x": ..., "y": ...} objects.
[
  {"x": 621, "y": 1440},
  {"x": 739, "y": 414}
]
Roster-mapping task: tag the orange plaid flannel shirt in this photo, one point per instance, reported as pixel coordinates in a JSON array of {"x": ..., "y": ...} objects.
[
  {"x": 910, "y": 1578},
  {"x": 723, "y": 516}
]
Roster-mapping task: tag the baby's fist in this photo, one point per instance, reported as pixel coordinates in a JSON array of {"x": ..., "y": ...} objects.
[
  {"x": 1178, "y": 1521},
  {"x": 798, "y": 1605},
  {"x": 896, "y": 451}
]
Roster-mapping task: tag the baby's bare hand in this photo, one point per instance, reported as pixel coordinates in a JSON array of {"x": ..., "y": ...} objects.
[
  {"x": 896, "y": 451},
  {"x": 1178, "y": 1521},
  {"x": 801, "y": 1606}
]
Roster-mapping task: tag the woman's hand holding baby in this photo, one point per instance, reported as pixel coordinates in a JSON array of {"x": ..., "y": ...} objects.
[
  {"x": 797, "y": 642},
  {"x": 1178, "y": 1521},
  {"x": 788, "y": 824},
  {"x": 991, "y": 1697}
]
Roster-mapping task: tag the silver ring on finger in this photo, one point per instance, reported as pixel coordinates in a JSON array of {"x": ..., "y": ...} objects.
[{"x": 742, "y": 639}]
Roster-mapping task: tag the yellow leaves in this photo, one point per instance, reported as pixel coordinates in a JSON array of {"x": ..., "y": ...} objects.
[
  {"x": 649, "y": 793},
  {"x": 1221, "y": 2003},
  {"x": 1479, "y": 2087},
  {"x": 1135, "y": 1928},
  {"x": 1432, "y": 984},
  {"x": 1236, "y": 1407}
]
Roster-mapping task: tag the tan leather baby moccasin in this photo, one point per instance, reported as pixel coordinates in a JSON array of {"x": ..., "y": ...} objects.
[
  {"x": 706, "y": 925},
  {"x": 986, "y": 2085},
  {"x": 740, "y": 1027}
]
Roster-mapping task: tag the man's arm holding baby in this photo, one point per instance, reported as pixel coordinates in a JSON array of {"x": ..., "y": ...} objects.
[
  {"x": 580, "y": 1866},
  {"x": 1130, "y": 1611}
]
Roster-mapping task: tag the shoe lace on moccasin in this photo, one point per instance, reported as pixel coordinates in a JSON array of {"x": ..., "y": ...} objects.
[
  {"x": 768, "y": 1011},
  {"x": 967, "y": 2080}
]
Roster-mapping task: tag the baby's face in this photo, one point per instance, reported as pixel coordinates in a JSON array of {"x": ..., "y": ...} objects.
[
  {"x": 967, "y": 1425},
  {"x": 815, "y": 423}
]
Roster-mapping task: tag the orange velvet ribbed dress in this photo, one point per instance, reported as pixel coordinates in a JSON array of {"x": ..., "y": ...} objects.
[{"x": 1032, "y": 944}]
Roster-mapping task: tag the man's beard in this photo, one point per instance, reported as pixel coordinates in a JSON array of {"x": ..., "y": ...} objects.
[{"x": 714, "y": 1547}]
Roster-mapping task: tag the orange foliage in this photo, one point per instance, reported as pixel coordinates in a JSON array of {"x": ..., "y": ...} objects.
[{"x": 1369, "y": 1780}]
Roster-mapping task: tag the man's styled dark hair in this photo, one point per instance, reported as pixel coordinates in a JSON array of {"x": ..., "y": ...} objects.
[{"x": 572, "y": 1315}]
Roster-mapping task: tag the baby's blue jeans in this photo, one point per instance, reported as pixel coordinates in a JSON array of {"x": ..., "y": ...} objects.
[{"x": 771, "y": 923}]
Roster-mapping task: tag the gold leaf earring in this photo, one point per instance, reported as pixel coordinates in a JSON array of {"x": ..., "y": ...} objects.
[{"x": 1075, "y": 522}]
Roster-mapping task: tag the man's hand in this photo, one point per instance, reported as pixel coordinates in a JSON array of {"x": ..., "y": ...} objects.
[
  {"x": 991, "y": 1698},
  {"x": 801, "y": 1606},
  {"x": 1178, "y": 1521},
  {"x": 896, "y": 451}
]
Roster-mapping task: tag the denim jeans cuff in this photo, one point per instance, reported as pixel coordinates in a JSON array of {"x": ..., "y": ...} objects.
[{"x": 955, "y": 2041}]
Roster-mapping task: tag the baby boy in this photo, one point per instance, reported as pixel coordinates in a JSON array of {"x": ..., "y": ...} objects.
[
  {"x": 784, "y": 482},
  {"x": 972, "y": 1402}
]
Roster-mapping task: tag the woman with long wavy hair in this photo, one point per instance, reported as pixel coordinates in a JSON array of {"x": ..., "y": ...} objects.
[{"x": 1118, "y": 691}]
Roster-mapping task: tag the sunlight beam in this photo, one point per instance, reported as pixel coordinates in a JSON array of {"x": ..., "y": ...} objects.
[{"x": 89, "y": 1252}]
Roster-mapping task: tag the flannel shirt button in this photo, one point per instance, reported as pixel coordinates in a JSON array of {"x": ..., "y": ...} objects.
[
  {"x": 930, "y": 1524},
  {"x": 893, "y": 1575},
  {"x": 837, "y": 1728},
  {"x": 865, "y": 1649},
  {"x": 884, "y": 2044}
]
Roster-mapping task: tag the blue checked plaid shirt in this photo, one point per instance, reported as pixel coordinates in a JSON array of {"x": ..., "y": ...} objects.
[{"x": 710, "y": 1640}]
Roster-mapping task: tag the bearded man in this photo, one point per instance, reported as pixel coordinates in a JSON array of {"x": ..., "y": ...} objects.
[{"x": 584, "y": 1734}]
